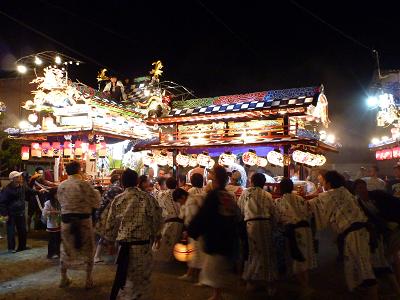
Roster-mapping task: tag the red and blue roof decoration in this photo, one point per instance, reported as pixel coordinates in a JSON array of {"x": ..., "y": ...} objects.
[{"x": 273, "y": 99}]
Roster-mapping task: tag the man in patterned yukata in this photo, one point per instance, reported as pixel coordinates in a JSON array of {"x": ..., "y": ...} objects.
[
  {"x": 257, "y": 207},
  {"x": 134, "y": 221},
  {"x": 339, "y": 209}
]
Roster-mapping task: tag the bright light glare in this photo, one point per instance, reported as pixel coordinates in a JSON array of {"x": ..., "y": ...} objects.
[
  {"x": 330, "y": 138},
  {"x": 24, "y": 124},
  {"x": 22, "y": 69},
  {"x": 57, "y": 60},
  {"x": 375, "y": 141},
  {"x": 38, "y": 61},
  {"x": 77, "y": 63},
  {"x": 372, "y": 101}
]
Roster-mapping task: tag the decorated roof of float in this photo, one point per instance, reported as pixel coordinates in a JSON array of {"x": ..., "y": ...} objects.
[{"x": 308, "y": 101}]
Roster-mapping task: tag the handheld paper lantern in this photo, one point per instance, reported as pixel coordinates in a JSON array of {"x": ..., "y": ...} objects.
[
  {"x": 102, "y": 149},
  {"x": 262, "y": 162},
  {"x": 203, "y": 159},
  {"x": 182, "y": 160},
  {"x": 250, "y": 158},
  {"x": 36, "y": 150},
  {"x": 46, "y": 150},
  {"x": 67, "y": 149},
  {"x": 227, "y": 159},
  {"x": 56, "y": 149},
  {"x": 92, "y": 152},
  {"x": 183, "y": 251},
  {"x": 275, "y": 158},
  {"x": 25, "y": 153},
  {"x": 78, "y": 149},
  {"x": 193, "y": 160},
  {"x": 148, "y": 159}
]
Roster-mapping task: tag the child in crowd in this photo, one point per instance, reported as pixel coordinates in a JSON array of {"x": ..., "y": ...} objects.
[{"x": 52, "y": 213}]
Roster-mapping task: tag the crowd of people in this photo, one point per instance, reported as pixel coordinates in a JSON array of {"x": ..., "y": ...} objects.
[{"x": 252, "y": 233}]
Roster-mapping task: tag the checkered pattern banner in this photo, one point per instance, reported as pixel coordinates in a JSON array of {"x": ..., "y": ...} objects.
[{"x": 301, "y": 101}]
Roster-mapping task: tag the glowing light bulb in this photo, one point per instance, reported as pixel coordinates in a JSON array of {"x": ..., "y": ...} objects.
[
  {"x": 372, "y": 101},
  {"x": 22, "y": 69},
  {"x": 375, "y": 141},
  {"x": 57, "y": 60},
  {"x": 38, "y": 61},
  {"x": 330, "y": 138},
  {"x": 33, "y": 118},
  {"x": 23, "y": 124}
]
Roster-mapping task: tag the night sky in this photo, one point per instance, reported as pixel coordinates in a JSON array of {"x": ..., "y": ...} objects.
[{"x": 220, "y": 48}]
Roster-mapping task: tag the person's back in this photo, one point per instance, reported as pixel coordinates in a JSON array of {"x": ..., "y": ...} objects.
[
  {"x": 77, "y": 196},
  {"x": 255, "y": 202},
  {"x": 339, "y": 209},
  {"x": 292, "y": 209}
]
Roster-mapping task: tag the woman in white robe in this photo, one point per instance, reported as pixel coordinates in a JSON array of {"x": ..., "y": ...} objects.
[
  {"x": 339, "y": 209},
  {"x": 292, "y": 210}
]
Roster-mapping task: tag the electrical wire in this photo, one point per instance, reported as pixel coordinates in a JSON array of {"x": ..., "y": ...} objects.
[
  {"x": 44, "y": 35},
  {"x": 341, "y": 32}
]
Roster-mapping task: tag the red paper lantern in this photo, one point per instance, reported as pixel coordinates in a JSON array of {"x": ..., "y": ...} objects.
[
  {"x": 92, "y": 152},
  {"x": 25, "y": 153},
  {"x": 396, "y": 152},
  {"x": 36, "y": 150},
  {"x": 67, "y": 149},
  {"x": 102, "y": 149},
  {"x": 78, "y": 149},
  {"x": 46, "y": 150},
  {"x": 56, "y": 149}
]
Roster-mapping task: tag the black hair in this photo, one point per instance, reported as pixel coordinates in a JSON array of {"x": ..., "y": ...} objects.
[
  {"x": 129, "y": 178},
  {"x": 179, "y": 193},
  {"x": 182, "y": 178},
  {"x": 73, "y": 167},
  {"x": 161, "y": 180},
  {"x": 220, "y": 176},
  {"x": 286, "y": 186},
  {"x": 39, "y": 169},
  {"x": 197, "y": 180},
  {"x": 53, "y": 199},
  {"x": 335, "y": 179},
  {"x": 142, "y": 179},
  {"x": 171, "y": 183},
  {"x": 258, "y": 180},
  {"x": 359, "y": 181},
  {"x": 376, "y": 168},
  {"x": 114, "y": 178}
]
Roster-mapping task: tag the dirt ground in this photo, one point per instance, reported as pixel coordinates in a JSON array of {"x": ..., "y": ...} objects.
[{"x": 29, "y": 275}]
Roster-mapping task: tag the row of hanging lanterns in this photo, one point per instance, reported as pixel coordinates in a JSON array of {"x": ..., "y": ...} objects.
[{"x": 66, "y": 150}]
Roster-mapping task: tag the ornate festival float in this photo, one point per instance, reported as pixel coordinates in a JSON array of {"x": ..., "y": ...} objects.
[
  {"x": 385, "y": 99},
  {"x": 67, "y": 120},
  {"x": 276, "y": 129}
]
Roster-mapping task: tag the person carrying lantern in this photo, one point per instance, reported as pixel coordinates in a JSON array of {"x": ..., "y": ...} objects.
[
  {"x": 173, "y": 225},
  {"x": 192, "y": 206},
  {"x": 219, "y": 224}
]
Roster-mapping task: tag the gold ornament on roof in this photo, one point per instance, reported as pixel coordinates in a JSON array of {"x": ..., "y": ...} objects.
[
  {"x": 102, "y": 75},
  {"x": 156, "y": 72}
]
